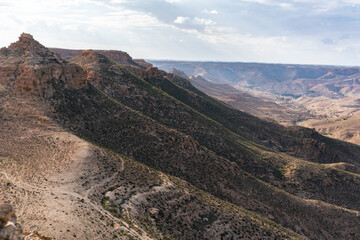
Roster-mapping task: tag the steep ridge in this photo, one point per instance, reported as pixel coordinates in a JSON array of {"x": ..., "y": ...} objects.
[
  {"x": 305, "y": 139},
  {"x": 266, "y": 170},
  {"x": 65, "y": 187},
  {"x": 275, "y": 135},
  {"x": 118, "y": 83},
  {"x": 330, "y": 93},
  {"x": 179, "y": 155},
  {"x": 309, "y": 143},
  {"x": 299, "y": 142},
  {"x": 296, "y": 141},
  {"x": 263, "y": 107},
  {"x": 133, "y": 113},
  {"x": 118, "y": 56}
]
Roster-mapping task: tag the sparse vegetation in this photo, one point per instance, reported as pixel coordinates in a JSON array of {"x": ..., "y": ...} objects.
[{"x": 134, "y": 153}]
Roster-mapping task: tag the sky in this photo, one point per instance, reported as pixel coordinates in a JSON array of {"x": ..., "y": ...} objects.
[{"x": 272, "y": 31}]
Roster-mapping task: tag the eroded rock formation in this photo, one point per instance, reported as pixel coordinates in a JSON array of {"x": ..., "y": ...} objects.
[{"x": 28, "y": 68}]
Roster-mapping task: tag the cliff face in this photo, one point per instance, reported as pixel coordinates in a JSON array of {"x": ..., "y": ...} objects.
[
  {"x": 117, "y": 56},
  {"x": 28, "y": 68}
]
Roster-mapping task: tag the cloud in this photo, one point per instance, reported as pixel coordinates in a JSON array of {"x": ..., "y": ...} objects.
[
  {"x": 286, "y": 5},
  {"x": 203, "y": 21},
  {"x": 210, "y": 11},
  {"x": 352, "y": 2},
  {"x": 281, "y": 4},
  {"x": 341, "y": 49},
  {"x": 181, "y": 20},
  {"x": 231, "y": 30}
]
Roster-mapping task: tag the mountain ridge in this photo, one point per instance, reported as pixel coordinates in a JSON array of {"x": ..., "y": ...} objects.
[
  {"x": 320, "y": 94},
  {"x": 176, "y": 143}
]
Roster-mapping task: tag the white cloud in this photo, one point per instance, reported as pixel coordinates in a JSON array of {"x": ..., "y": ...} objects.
[
  {"x": 281, "y": 4},
  {"x": 203, "y": 21},
  {"x": 340, "y": 49},
  {"x": 352, "y": 2},
  {"x": 286, "y": 5},
  {"x": 210, "y": 11},
  {"x": 249, "y": 33},
  {"x": 181, "y": 20}
]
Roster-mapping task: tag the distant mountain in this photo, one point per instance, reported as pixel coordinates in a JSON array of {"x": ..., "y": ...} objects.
[
  {"x": 308, "y": 95},
  {"x": 285, "y": 79},
  {"x": 95, "y": 149},
  {"x": 263, "y": 107}
]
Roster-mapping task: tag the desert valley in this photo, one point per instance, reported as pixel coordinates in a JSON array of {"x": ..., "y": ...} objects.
[{"x": 322, "y": 97}]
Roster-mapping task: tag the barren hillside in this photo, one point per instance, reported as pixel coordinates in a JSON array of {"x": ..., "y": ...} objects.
[
  {"x": 94, "y": 149},
  {"x": 313, "y": 96}
]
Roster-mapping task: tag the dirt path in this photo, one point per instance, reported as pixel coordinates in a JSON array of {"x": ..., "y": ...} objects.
[
  {"x": 95, "y": 187},
  {"x": 137, "y": 197},
  {"x": 54, "y": 179},
  {"x": 63, "y": 199}
]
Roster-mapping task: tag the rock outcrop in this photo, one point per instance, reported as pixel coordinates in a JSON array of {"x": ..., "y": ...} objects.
[
  {"x": 153, "y": 72},
  {"x": 143, "y": 63},
  {"x": 115, "y": 55},
  {"x": 180, "y": 78},
  {"x": 118, "y": 56},
  {"x": 179, "y": 73},
  {"x": 28, "y": 68},
  {"x": 9, "y": 228}
]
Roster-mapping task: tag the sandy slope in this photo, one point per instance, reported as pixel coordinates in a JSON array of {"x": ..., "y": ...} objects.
[
  {"x": 46, "y": 172},
  {"x": 336, "y": 118}
]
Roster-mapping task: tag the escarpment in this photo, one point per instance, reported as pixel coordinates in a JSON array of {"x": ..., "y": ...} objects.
[{"x": 28, "y": 68}]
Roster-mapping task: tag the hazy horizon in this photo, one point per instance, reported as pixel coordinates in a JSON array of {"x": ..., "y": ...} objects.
[{"x": 262, "y": 31}]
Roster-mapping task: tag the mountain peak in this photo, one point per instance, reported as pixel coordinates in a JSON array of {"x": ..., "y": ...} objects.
[
  {"x": 25, "y": 42},
  {"x": 26, "y": 37},
  {"x": 29, "y": 68},
  {"x": 90, "y": 58}
]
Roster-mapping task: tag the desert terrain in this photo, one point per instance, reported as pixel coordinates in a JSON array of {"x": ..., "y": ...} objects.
[
  {"x": 325, "y": 98},
  {"x": 98, "y": 147}
]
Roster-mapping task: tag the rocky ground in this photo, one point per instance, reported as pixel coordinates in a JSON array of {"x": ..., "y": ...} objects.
[
  {"x": 101, "y": 150},
  {"x": 66, "y": 188}
]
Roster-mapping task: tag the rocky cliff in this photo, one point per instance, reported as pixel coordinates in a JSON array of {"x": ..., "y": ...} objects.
[
  {"x": 117, "y": 56},
  {"x": 29, "y": 68}
]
